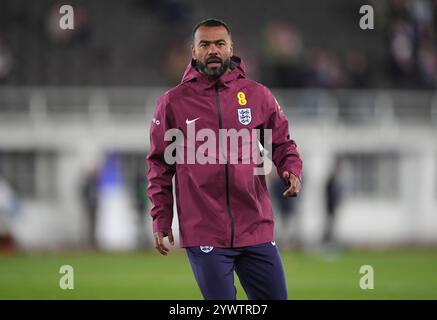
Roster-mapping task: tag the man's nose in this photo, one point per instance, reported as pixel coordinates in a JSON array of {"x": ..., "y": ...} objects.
[{"x": 213, "y": 50}]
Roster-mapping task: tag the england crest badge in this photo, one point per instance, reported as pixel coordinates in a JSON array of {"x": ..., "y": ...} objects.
[
  {"x": 206, "y": 249},
  {"x": 244, "y": 116}
]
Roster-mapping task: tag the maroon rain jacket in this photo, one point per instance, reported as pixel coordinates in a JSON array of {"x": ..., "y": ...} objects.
[{"x": 220, "y": 205}]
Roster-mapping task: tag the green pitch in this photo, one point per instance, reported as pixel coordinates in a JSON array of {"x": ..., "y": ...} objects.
[{"x": 147, "y": 275}]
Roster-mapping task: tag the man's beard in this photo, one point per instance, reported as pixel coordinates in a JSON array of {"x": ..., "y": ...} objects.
[{"x": 213, "y": 73}]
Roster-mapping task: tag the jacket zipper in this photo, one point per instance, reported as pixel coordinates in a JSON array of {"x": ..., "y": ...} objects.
[{"x": 228, "y": 207}]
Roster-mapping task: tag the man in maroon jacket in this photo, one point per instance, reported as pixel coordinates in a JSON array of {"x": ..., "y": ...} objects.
[{"x": 225, "y": 215}]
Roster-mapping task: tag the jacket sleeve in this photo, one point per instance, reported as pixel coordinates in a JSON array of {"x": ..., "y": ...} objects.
[
  {"x": 285, "y": 155},
  {"x": 159, "y": 173}
]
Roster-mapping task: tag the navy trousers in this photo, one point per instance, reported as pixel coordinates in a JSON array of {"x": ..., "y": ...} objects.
[{"x": 258, "y": 267}]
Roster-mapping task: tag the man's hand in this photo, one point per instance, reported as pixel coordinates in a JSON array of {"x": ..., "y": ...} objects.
[
  {"x": 159, "y": 242},
  {"x": 294, "y": 184}
]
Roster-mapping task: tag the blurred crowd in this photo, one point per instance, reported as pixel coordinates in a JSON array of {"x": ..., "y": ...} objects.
[
  {"x": 411, "y": 56},
  {"x": 281, "y": 56},
  {"x": 412, "y": 43},
  {"x": 286, "y": 62}
]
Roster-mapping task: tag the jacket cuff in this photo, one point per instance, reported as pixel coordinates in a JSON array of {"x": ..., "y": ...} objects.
[{"x": 161, "y": 225}]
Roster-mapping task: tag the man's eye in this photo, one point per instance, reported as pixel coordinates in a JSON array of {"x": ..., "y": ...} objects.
[
  {"x": 221, "y": 44},
  {"x": 203, "y": 45}
]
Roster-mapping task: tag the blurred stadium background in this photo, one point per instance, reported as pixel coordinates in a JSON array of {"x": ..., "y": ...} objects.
[{"x": 75, "y": 108}]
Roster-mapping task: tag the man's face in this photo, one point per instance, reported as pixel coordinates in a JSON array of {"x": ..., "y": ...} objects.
[{"x": 212, "y": 50}]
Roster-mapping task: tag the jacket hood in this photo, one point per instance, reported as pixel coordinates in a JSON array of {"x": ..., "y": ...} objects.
[{"x": 237, "y": 66}]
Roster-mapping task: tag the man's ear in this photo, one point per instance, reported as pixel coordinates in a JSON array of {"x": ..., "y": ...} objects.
[
  {"x": 192, "y": 52},
  {"x": 232, "y": 49}
]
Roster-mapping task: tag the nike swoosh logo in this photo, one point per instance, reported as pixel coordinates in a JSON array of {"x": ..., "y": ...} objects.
[{"x": 191, "y": 121}]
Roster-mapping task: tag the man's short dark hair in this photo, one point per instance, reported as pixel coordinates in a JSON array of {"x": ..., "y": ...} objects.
[{"x": 212, "y": 23}]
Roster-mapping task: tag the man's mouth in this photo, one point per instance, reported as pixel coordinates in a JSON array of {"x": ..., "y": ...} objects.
[
  {"x": 214, "y": 63},
  {"x": 213, "y": 66}
]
